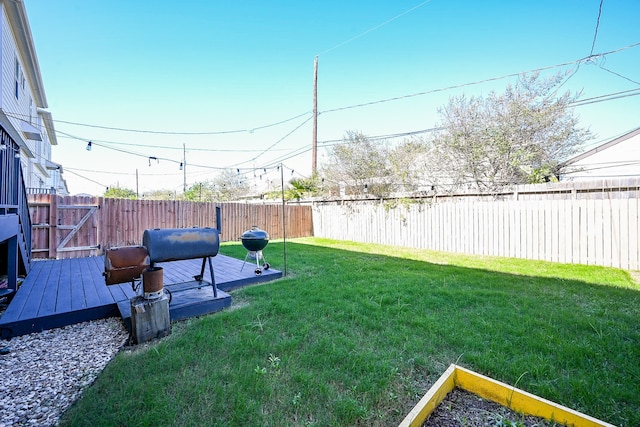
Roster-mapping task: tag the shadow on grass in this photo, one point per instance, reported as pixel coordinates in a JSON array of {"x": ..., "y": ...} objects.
[{"x": 355, "y": 338}]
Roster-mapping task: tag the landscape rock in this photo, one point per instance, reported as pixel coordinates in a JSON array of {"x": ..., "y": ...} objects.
[{"x": 44, "y": 373}]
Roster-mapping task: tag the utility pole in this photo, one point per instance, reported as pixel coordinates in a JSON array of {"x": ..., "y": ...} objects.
[
  {"x": 314, "y": 150},
  {"x": 137, "y": 193},
  {"x": 184, "y": 168}
]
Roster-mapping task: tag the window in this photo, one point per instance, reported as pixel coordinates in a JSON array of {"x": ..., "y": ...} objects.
[{"x": 17, "y": 78}]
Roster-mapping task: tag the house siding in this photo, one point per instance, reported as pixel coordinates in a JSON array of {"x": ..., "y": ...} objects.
[
  {"x": 22, "y": 109},
  {"x": 610, "y": 161}
]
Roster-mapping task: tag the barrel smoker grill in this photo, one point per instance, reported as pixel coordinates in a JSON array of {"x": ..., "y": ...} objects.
[{"x": 128, "y": 264}]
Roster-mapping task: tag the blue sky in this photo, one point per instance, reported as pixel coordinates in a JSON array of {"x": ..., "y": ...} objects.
[{"x": 227, "y": 69}]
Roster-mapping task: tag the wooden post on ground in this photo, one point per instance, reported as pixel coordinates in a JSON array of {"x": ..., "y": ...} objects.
[{"x": 149, "y": 318}]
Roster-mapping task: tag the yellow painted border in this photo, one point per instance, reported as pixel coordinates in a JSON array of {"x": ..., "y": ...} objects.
[{"x": 496, "y": 391}]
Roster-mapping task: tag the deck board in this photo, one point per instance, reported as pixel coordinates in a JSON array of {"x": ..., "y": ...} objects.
[
  {"x": 21, "y": 298},
  {"x": 63, "y": 292},
  {"x": 91, "y": 297},
  {"x": 51, "y": 289},
  {"x": 78, "y": 294}
]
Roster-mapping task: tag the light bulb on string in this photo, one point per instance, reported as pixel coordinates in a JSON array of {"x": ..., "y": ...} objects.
[{"x": 89, "y": 146}]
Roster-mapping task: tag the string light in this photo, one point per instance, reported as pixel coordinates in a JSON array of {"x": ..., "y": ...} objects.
[{"x": 89, "y": 146}]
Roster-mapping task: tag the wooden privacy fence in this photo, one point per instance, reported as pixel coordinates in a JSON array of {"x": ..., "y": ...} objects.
[
  {"x": 585, "y": 226},
  {"x": 73, "y": 226}
]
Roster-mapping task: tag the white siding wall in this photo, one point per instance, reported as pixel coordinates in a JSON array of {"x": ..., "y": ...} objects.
[
  {"x": 16, "y": 109},
  {"x": 618, "y": 161}
]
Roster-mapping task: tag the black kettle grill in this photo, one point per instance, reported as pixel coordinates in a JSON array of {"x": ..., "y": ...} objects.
[{"x": 254, "y": 241}]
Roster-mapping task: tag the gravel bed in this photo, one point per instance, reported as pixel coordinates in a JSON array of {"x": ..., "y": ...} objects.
[{"x": 44, "y": 373}]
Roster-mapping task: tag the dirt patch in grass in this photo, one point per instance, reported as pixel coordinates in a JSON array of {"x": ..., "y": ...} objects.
[{"x": 462, "y": 408}]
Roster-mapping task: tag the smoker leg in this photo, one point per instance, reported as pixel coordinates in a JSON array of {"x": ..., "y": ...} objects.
[
  {"x": 213, "y": 280},
  {"x": 199, "y": 277}
]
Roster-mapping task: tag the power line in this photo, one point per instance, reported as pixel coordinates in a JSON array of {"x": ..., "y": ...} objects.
[
  {"x": 133, "y": 153},
  {"x": 595, "y": 35},
  {"x": 575, "y": 71},
  {"x": 274, "y": 144},
  {"x": 491, "y": 79},
  {"x": 388, "y": 136},
  {"x": 374, "y": 28},
  {"x": 88, "y": 179},
  {"x": 119, "y": 173},
  {"x": 610, "y": 97},
  {"x": 163, "y": 147},
  {"x": 223, "y": 132},
  {"x": 296, "y": 153},
  {"x": 617, "y": 74}
]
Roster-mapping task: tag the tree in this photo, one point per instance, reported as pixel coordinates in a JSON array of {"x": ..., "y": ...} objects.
[
  {"x": 409, "y": 165},
  {"x": 359, "y": 164},
  {"x": 303, "y": 187},
  {"x": 200, "y": 192},
  {"x": 160, "y": 195},
  {"x": 507, "y": 138},
  {"x": 227, "y": 186},
  {"x": 116, "y": 192}
]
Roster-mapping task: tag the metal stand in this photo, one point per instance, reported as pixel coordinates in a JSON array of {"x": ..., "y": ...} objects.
[
  {"x": 257, "y": 255},
  {"x": 197, "y": 283}
]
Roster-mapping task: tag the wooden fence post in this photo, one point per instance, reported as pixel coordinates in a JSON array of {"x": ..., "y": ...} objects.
[{"x": 53, "y": 226}]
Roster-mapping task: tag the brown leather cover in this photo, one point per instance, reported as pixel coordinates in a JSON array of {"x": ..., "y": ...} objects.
[{"x": 124, "y": 264}]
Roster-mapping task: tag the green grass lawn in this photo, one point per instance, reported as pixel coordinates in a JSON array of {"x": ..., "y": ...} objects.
[{"x": 356, "y": 334}]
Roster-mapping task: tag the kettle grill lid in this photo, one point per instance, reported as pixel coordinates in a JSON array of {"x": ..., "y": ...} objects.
[{"x": 255, "y": 234}]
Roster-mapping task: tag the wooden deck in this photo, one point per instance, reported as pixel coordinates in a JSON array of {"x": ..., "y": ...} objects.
[{"x": 57, "y": 293}]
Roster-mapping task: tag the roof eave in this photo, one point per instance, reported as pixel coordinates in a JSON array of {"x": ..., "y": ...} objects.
[
  {"x": 604, "y": 146},
  {"x": 17, "y": 15},
  {"x": 47, "y": 118}
]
